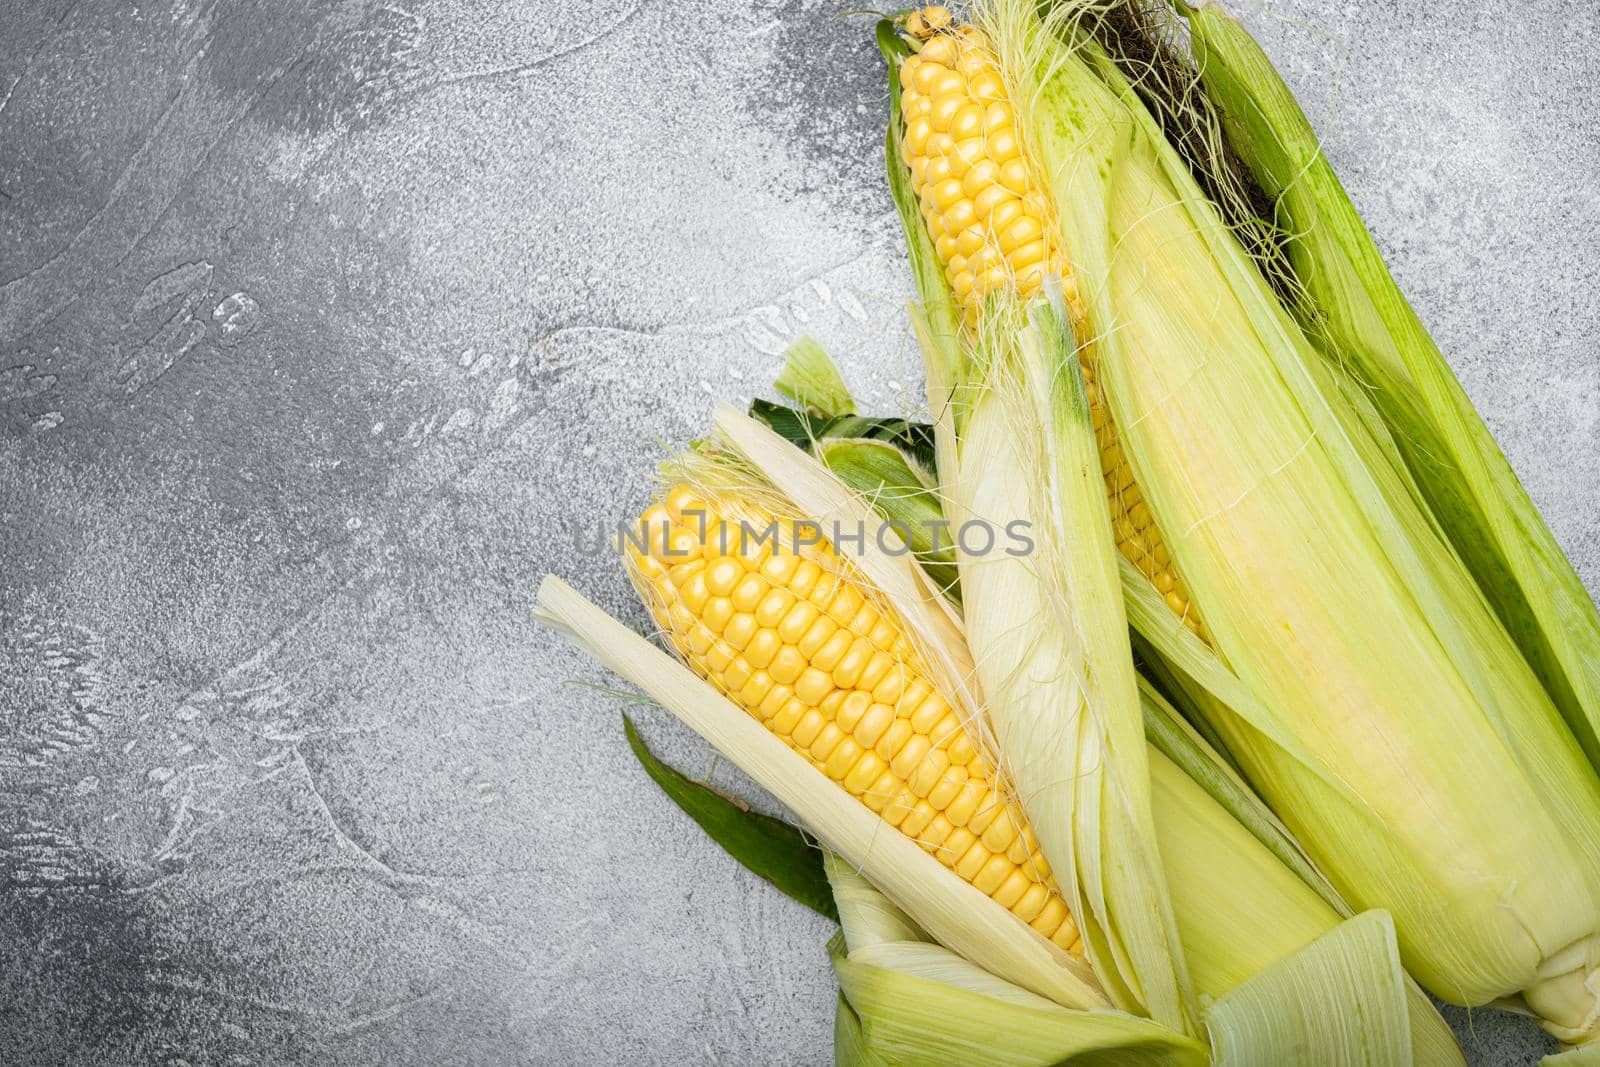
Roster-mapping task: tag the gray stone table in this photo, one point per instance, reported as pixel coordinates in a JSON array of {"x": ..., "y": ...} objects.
[{"x": 326, "y": 326}]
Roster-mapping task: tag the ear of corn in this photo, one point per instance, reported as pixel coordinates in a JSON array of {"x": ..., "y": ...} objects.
[
  {"x": 786, "y": 631},
  {"x": 993, "y": 230},
  {"x": 1349, "y": 660},
  {"x": 1355, "y": 308},
  {"x": 944, "y": 904},
  {"x": 1243, "y": 892},
  {"x": 1253, "y": 920},
  {"x": 957, "y": 914}
]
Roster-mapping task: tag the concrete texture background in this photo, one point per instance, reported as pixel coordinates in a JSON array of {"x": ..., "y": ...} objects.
[{"x": 327, "y": 326}]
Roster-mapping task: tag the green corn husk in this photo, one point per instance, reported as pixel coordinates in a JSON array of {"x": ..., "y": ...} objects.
[
  {"x": 900, "y": 491},
  {"x": 1244, "y": 895},
  {"x": 1262, "y": 1020},
  {"x": 1352, "y": 304},
  {"x": 1357, "y": 671},
  {"x": 811, "y": 379},
  {"x": 1049, "y": 639},
  {"x": 1582, "y": 1056}
]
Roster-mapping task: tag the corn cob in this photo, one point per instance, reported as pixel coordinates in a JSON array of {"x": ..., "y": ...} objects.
[
  {"x": 994, "y": 230},
  {"x": 790, "y": 635}
]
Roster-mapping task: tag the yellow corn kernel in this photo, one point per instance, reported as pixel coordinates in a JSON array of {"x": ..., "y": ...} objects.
[
  {"x": 807, "y": 729},
  {"x": 894, "y": 739},
  {"x": 762, "y": 647},
  {"x": 1010, "y": 892},
  {"x": 852, "y": 663},
  {"x": 776, "y": 698},
  {"x": 883, "y": 789},
  {"x": 833, "y": 650},
  {"x": 870, "y": 720},
  {"x": 819, "y": 633},
  {"x": 793, "y": 626},
  {"x": 864, "y": 772},
  {"x": 787, "y": 665},
  {"x": 972, "y": 861},
  {"x": 789, "y": 717},
  {"x": 748, "y": 593},
  {"x": 948, "y": 787},
  {"x": 987, "y": 811},
  {"x": 927, "y": 773},
  {"x": 842, "y": 759},
  {"x": 723, "y": 575},
  {"x": 992, "y": 875},
  {"x": 813, "y": 686},
  {"x": 879, "y": 665},
  {"x": 852, "y": 709},
  {"x": 910, "y": 755},
  {"x": 827, "y": 745}
]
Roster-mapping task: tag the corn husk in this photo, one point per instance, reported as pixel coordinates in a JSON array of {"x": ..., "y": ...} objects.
[
  {"x": 900, "y": 491},
  {"x": 910, "y": 1012},
  {"x": 1582, "y": 1056},
  {"x": 1050, "y": 659},
  {"x": 1352, "y": 305},
  {"x": 1049, "y": 639},
  {"x": 850, "y": 1048},
  {"x": 1244, "y": 894},
  {"x": 1259, "y": 1021},
  {"x": 1356, "y": 670},
  {"x": 909, "y": 1000},
  {"x": 811, "y": 379}
]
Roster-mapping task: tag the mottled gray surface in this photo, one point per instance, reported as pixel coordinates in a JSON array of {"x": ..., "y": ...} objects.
[{"x": 325, "y": 323}]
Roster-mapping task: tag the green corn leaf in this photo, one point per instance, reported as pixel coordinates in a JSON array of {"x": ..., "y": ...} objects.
[{"x": 903, "y": 494}]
